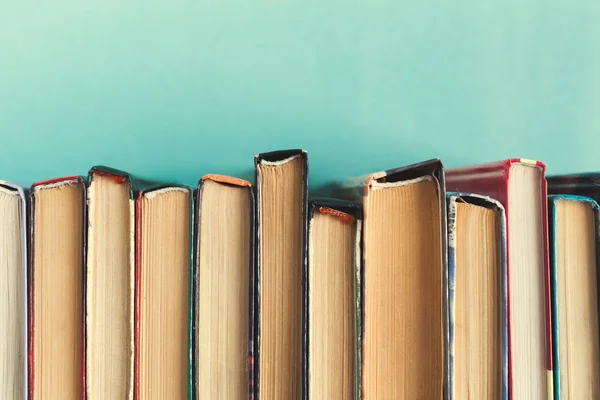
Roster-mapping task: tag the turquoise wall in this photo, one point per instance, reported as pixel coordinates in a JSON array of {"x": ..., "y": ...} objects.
[{"x": 172, "y": 90}]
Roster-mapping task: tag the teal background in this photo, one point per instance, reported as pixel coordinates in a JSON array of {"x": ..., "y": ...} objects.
[{"x": 172, "y": 90}]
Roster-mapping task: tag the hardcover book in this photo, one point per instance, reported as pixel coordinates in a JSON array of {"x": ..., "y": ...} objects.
[
  {"x": 13, "y": 292},
  {"x": 281, "y": 208},
  {"x": 109, "y": 283},
  {"x": 477, "y": 298},
  {"x": 574, "y": 250},
  {"x": 223, "y": 306},
  {"x": 520, "y": 186},
  {"x": 163, "y": 292},
  {"x": 404, "y": 288},
  {"x": 56, "y": 290},
  {"x": 332, "y": 300}
]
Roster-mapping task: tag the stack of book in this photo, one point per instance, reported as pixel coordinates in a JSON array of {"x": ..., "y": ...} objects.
[{"x": 412, "y": 283}]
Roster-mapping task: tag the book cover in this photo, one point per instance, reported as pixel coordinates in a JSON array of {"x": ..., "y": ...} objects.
[
  {"x": 490, "y": 203},
  {"x": 552, "y": 201},
  {"x": 276, "y": 158},
  {"x": 196, "y": 324},
  {"x": 141, "y": 188},
  {"x": 357, "y": 190},
  {"x": 121, "y": 178},
  {"x": 31, "y": 278},
  {"x": 24, "y": 257},
  {"x": 352, "y": 213}
]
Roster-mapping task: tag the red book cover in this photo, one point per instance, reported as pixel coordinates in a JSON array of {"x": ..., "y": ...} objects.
[{"x": 492, "y": 180}]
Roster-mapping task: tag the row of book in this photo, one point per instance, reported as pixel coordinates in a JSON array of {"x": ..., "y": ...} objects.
[{"x": 410, "y": 283}]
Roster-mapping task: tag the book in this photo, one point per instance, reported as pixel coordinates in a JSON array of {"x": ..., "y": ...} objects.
[
  {"x": 223, "y": 309},
  {"x": 332, "y": 295},
  {"x": 520, "y": 186},
  {"x": 109, "y": 283},
  {"x": 405, "y": 275},
  {"x": 13, "y": 292},
  {"x": 281, "y": 209},
  {"x": 56, "y": 291},
  {"x": 477, "y": 298},
  {"x": 574, "y": 250},
  {"x": 163, "y": 292}
]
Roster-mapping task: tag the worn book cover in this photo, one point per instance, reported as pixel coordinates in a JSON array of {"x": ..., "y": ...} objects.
[
  {"x": 95, "y": 205},
  {"x": 496, "y": 206},
  {"x": 365, "y": 190},
  {"x": 350, "y": 213}
]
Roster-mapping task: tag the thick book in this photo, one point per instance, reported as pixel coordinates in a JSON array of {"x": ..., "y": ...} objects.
[
  {"x": 109, "y": 283},
  {"x": 163, "y": 292},
  {"x": 56, "y": 290},
  {"x": 332, "y": 300},
  {"x": 281, "y": 210},
  {"x": 477, "y": 298},
  {"x": 223, "y": 298},
  {"x": 405, "y": 320},
  {"x": 575, "y": 258},
  {"x": 520, "y": 186},
  {"x": 13, "y": 292}
]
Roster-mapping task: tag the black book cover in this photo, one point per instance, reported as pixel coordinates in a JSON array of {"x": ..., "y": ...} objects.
[{"x": 277, "y": 157}]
